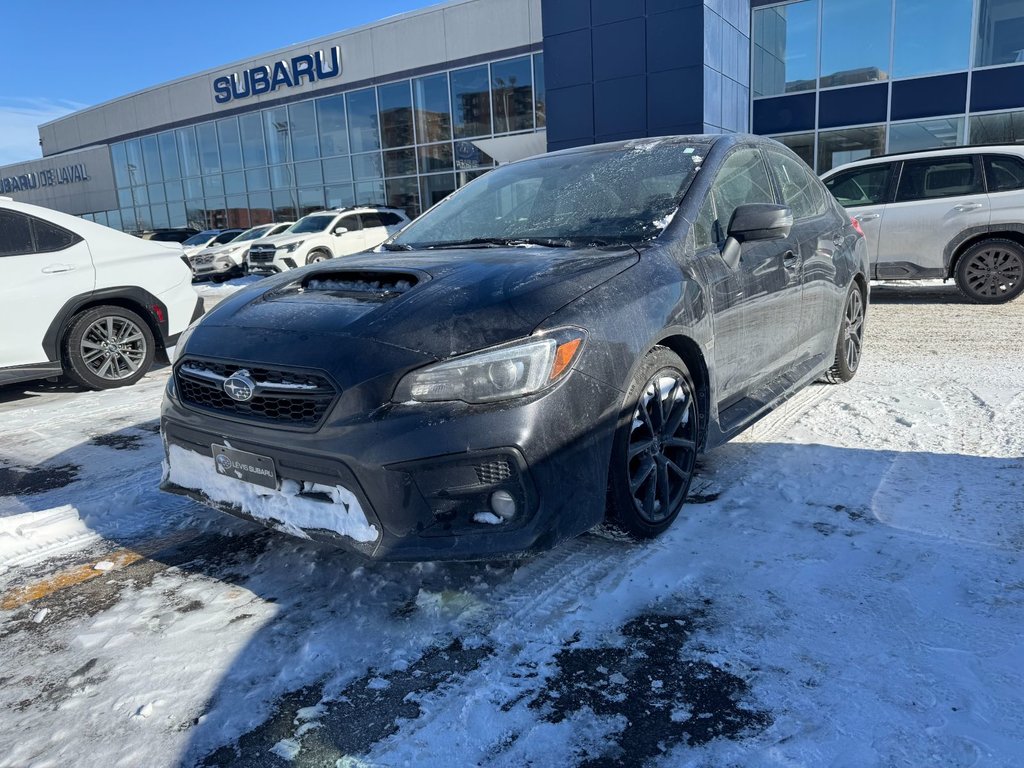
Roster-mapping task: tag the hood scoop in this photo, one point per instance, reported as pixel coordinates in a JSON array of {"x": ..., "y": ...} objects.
[{"x": 361, "y": 285}]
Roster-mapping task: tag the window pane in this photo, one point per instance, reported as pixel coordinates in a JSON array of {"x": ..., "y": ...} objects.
[
  {"x": 436, "y": 157},
  {"x": 801, "y": 143},
  {"x": 434, "y": 189},
  {"x": 309, "y": 174},
  {"x": 141, "y": 195},
  {"x": 1004, "y": 173},
  {"x": 136, "y": 171},
  {"x": 928, "y": 179},
  {"x": 855, "y": 41},
  {"x": 160, "y": 219},
  {"x": 120, "y": 160},
  {"x": 539, "y": 90},
  {"x": 230, "y": 146},
  {"x": 238, "y": 211},
  {"x": 367, "y": 166},
  {"x": 151, "y": 158},
  {"x": 311, "y": 200},
  {"x": 195, "y": 212},
  {"x": 800, "y": 189},
  {"x": 209, "y": 155},
  {"x": 176, "y": 216},
  {"x": 216, "y": 213},
  {"x": 927, "y": 134},
  {"x": 433, "y": 114},
  {"x": 285, "y": 205},
  {"x": 261, "y": 209},
  {"x": 124, "y": 198},
  {"x": 471, "y": 102},
  {"x": 169, "y": 155},
  {"x": 945, "y": 47},
  {"x": 234, "y": 183},
  {"x": 305, "y": 144},
  {"x": 156, "y": 193},
  {"x": 395, "y": 114},
  {"x": 404, "y": 194},
  {"x": 188, "y": 151},
  {"x": 340, "y": 196},
  {"x": 333, "y": 129},
  {"x": 257, "y": 179},
  {"x": 254, "y": 151},
  {"x": 276, "y": 130},
  {"x": 468, "y": 155},
  {"x": 143, "y": 219},
  {"x": 845, "y": 146},
  {"x": 370, "y": 193},
  {"x": 742, "y": 180},
  {"x": 281, "y": 177},
  {"x": 52, "y": 238},
  {"x": 363, "y": 130},
  {"x": 1002, "y": 128},
  {"x": 172, "y": 191},
  {"x": 193, "y": 189},
  {"x": 400, "y": 162},
  {"x": 785, "y": 48},
  {"x": 337, "y": 169},
  {"x": 1000, "y": 32},
  {"x": 213, "y": 185},
  {"x": 512, "y": 93}
]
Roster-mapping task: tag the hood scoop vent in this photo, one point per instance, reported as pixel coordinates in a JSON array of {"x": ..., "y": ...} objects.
[{"x": 351, "y": 284}]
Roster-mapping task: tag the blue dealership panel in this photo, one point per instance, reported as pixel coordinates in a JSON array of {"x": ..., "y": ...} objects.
[
  {"x": 784, "y": 114},
  {"x": 642, "y": 62},
  {"x": 1001, "y": 88},
  {"x": 853, "y": 106},
  {"x": 929, "y": 96}
]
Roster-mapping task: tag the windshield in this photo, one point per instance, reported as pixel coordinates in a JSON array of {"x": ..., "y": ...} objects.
[
  {"x": 310, "y": 224},
  {"x": 252, "y": 234},
  {"x": 624, "y": 195},
  {"x": 200, "y": 239}
]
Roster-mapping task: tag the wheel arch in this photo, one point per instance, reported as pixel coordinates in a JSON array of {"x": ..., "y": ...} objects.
[
  {"x": 691, "y": 354},
  {"x": 137, "y": 300},
  {"x": 972, "y": 237}
]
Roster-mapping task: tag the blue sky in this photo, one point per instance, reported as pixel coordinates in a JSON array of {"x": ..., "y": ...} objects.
[{"x": 69, "y": 54}]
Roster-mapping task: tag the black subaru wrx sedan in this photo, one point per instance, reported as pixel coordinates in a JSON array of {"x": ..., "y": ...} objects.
[{"x": 546, "y": 349}]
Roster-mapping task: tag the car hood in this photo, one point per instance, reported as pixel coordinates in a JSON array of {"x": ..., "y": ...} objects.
[
  {"x": 434, "y": 303},
  {"x": 283, "y": 239}
]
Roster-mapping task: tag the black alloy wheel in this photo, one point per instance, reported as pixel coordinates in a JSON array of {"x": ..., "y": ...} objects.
[
  {"x": 655, "y": 447},
  {"x": 991, "y": 272},
  {"x": 850, "y": 345}
]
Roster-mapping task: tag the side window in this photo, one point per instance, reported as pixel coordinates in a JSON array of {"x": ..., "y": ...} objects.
[
  {"x": 938, "y": 178},
  {"x": 861, "y": 186},
  {"x": 15, "y": 233},
  {"x": 1004, "y": 172},
  {"x": 226, "y": 237},
  {"x": 50, "y": 237},
  {"x": 801, "y": 190},
  {"x": 390, "y": 219},
  {"x": 371, "y": 220},
  {"x": 742, "y": 180},
  {"x": 351, "y": 223},
  {"x": 704, "y": 227}
]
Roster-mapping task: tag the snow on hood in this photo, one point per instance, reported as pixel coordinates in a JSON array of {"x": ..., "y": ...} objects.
[{"x": 284, "y": 510}]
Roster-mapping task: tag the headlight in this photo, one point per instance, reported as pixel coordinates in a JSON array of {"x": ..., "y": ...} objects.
[
  {"x": 291, "y": 247},
  {"x": 500, "y": 373}
]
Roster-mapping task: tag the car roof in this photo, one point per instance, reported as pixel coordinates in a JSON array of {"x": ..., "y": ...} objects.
[{"x": 974, "y": 149}]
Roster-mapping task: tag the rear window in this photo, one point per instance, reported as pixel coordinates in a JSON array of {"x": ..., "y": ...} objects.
[{"x": 937, "y": 178}]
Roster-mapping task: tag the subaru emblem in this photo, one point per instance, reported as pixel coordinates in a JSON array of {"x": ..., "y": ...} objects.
[{"x": 240, "y": 387}]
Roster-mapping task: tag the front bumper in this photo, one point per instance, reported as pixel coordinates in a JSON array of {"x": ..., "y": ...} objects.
[{"x": 423, "y": 475}]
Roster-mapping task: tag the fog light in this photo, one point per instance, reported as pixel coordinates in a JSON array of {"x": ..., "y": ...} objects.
[{"x": 503, "y": 504}]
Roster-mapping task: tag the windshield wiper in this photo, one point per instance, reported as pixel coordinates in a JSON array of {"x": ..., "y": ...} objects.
[{"x": 499, "y": 242}]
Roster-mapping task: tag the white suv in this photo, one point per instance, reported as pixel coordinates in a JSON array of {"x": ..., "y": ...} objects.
[
  {"x": 325, "y": 235},
  {"x": 945, "y": 213},
  {"x": 85, "y": 300},
  {"x": 220, "y": 262}
]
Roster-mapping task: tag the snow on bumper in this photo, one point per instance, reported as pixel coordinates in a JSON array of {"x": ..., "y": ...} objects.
[{"x": 285, "y": 509}]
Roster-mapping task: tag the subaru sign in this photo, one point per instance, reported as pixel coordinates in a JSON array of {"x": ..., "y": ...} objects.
[
  {"x": 49, "y": 177},
  {"x": 321, "y": 65}
]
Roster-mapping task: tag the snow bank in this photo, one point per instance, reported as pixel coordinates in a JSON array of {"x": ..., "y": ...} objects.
[
  {"x": 284, "y": 510},
  {"x": 29, "y": 531}
]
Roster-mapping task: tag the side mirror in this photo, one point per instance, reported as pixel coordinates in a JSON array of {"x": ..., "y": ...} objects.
[
  {"x": 340, "y": 230},
  {"x": 761, "y": 221}
]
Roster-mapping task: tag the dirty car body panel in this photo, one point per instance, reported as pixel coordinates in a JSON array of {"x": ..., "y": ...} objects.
[{"x": 330, "y": 351}]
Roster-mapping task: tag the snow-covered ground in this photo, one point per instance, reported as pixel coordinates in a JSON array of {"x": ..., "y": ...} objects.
[{"x": 845, "y": 589}]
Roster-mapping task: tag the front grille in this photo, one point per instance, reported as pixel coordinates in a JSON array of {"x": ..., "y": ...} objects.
[
  {"x": 291, "y": 398},
  {"x": 262, "y": 253},
  {"x": 201, "y": 260}
]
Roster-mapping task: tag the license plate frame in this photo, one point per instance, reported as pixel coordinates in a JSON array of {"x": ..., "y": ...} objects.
[{"x": 248, "y": 467}]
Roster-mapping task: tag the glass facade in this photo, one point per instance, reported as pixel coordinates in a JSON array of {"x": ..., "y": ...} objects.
[
  {"x": 880, "y": 76},
  {"x": 406, "y": 144}
]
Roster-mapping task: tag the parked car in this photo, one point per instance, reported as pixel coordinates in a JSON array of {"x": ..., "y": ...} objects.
[
  {"x": 951, "y": 214},
  {"x": 167, "y": 235},
  {"x": 325, "y": 235},
  {"x": 222, "y": 262},
  {"x": 84, "y": 300},
  {"x": 208, "y": 239},
  {"x": 550, "y": 346}
]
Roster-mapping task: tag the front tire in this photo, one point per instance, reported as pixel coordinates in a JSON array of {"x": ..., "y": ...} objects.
[
  {"x": 850, "y": 345},
  {"x": 315, "y": 257},
  {"x": 655, "y": 447},
  {"x": 107, "y": 347},
  {"x": 991, "y": 272}
]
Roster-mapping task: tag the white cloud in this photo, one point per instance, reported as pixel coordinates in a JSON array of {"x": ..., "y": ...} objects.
[{"x": 19, "y": 123}]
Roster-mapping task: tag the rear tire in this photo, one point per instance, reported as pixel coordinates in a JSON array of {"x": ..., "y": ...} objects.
[
  {"x": 850, "y": 346},
  {"x": 107, "y": 347},
  {"x": 655, "y": 447},
  {"x": 991, "y": 272}
]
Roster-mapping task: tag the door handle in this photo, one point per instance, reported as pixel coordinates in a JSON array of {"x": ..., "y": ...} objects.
[
  {"x": 965, "y": 207},
  {"x": 53, "y": 269},
  {"x": 868, "y": 216}
]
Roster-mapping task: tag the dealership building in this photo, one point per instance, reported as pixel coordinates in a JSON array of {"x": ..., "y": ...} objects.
[{"x": 406, "y": 110}]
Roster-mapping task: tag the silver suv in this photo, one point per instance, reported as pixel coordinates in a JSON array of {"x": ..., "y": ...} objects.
[{"x": 948, "y": 213}]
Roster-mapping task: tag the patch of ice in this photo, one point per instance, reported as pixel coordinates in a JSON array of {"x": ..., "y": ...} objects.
[
  {"x": 41, "y": 616},
  {"x": 285, "y": 509},
  {"x": 103, "y": 565},
  {"x": 377, "y": 684},
  {"x": 286, "y": 749},
  {"x": 662, "y": 224},
  {"x": 487, "y": 518}
]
